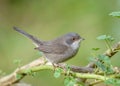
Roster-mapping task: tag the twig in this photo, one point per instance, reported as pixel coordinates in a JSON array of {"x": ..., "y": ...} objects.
[
  {"x": 39, "y": 64},
  {"x": 109, "y": 53},
  {"x": 35, "y": 66}
]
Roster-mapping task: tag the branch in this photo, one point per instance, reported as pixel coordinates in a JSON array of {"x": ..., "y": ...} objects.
[
  {"x": 109, "y": 53},
  {"x": 39, "y": 64},
  {"x": 35, "y": 66},
  {"x": 12, "y": 78}
]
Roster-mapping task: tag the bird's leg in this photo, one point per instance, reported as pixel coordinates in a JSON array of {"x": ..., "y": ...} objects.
[{"x": 55, "y": 66}]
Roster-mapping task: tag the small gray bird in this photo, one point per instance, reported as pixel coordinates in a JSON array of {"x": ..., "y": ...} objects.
[{"x": 59, "y": 49}]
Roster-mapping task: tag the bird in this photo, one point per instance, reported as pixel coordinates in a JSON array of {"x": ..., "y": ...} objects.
[{"x": 57, "y": 50}]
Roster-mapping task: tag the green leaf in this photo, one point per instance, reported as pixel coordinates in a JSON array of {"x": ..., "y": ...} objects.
[
  {"x": 105, "y": 37},
  {"x": 101, "y": 57},
  {"x": 18, "y": 76},
  {"x": 109, "y": 70},
  {"x": 28, "y": 71},
  {"x": 57, "y": 72},
  {"x": 102, "y": 37},
  {"x": 95, "y": 49},
  {"x": 92, "y": 59},
  {"x": 114, "y": 82},
  {"x": 104, "y": 64},
  {"x": 104, "y": 59},
  {"x": 115, "y": 14},
  {"x": 67, "y": 67},
  {"x": 110, "y": 81},
  {"x": 100, "y": 66},
  {"x": 69, "y": 81},
  {"x": 117, "y": 82},
  {"x": 66, "y": 81},
  {"x": 110, "y": 38},
  {"x": 40, "y": 53}
]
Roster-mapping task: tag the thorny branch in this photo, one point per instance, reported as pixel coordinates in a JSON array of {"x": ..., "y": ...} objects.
[{"x": 40, "y": 64}]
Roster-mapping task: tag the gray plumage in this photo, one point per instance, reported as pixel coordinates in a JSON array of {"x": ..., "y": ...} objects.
[{"x": 59, "y": 49}]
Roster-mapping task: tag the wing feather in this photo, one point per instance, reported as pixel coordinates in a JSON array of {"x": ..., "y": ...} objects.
[{"x": 52, "y": 48}]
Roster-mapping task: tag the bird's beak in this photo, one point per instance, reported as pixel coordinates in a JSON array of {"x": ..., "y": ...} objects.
[{"x": 82, "y": 39}]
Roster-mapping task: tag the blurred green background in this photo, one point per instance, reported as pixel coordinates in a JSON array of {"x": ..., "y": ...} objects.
[{"x": 48, "y": 19}]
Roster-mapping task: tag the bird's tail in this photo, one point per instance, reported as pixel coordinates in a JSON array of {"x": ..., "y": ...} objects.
[{"x": 36, "y": 41}]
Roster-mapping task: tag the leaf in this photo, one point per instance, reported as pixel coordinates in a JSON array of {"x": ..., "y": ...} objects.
[
  {"x": 40, "y": 53},
  {"x": 95, "y": 49},
  {"x": 92, "y": 59},
  {"x": 114, "y": 82},
  {"x": 66, "y": 81},
  {"x": 57, "y": 72},
  {"x": 110, "y": 81},
  {"x": 104, "y": 59},
  {"x": 102, "y": 37},
  {"x": 69, "y": 81},
  {"x": 105, "y": 37},
  {"x": 18, "y": 76},
  {"x": 101, "y": 57},
  {"x": 29, "y": 72},
  {"x": 100, "y": 66},
  {"x": 67, "y": 67},
  {"x": 110, "y": 38},
  {"x": 117, "y": 82},
  {"x": 115, "y": 14},
  {"x": 110, "y": 70},
  {"x": 104, "y": 64}
]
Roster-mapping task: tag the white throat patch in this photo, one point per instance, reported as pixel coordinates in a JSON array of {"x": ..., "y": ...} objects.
[{"x": 75, "y": 45}]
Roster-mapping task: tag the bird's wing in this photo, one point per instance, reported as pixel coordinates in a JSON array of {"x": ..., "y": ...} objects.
[{"x": 52, "y": 48}]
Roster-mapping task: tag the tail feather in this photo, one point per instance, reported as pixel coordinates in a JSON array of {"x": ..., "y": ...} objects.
[{"x": 34, "y": 39}]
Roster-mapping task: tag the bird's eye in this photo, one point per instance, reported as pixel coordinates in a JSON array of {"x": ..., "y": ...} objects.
[{"x": 73, "y": 38}]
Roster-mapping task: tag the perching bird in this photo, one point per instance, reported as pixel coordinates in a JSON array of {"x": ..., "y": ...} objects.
[{"x": 59, "y": 49}]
